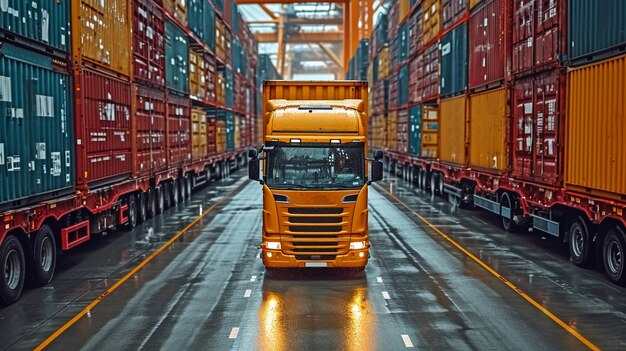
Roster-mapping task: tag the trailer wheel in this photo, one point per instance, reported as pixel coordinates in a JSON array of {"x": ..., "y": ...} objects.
[
  {"x": 441, "y": 184},
  {"x": 176, "y": 192},
  {"x": 579, "y": 243},
  {"x": 433, "y": 183},
  {"x": 160, "y": 199},
  {"x": 507, "y": 223},
  {"x": 12, "y": 270},
  {"x": 44, "y": 256},
  {"x": 613, "y": 255},
  {"x": 132, "y": 212},
  {"x": 189, "y": 184},
  {"x": 142, "y": 207},
  {"x": 151, "y": 200}
]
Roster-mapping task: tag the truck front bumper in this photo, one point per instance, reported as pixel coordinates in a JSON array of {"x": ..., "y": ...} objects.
[{"x": 277, "y": 259}]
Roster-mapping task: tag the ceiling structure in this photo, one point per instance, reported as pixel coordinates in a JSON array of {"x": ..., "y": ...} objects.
[{"x": 310, "y": 37}]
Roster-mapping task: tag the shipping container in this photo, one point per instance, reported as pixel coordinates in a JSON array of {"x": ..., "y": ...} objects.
[
  {"x": 403, "y": 85},
  {"x": 538, "y": 105},
  {"x": 150, "y": 131},
  {"x": 403, "y": 131},
  {"x": 197, "y": 75},
  {"x": 597, "y": 29},
  {"x": 454, "y": 11},
  {"x": 453, "y": 130},
  {"x": 104, "y": 131},
  {"x": 148, "y": 43},
  {"x": 47, "y": 23},
  {"x": 430, "y": 131},
  {"x": 178, "y": 130},
  {"x": 473, "y": 3},
  {"x": 415, "y": 72},
  {"x": 400, "y": 48},
  {"x": 454, "y": 61},
  {"x": 415, "y": 130},
  {"x": 415, "y": 32},
  {"x": 221, "y": 136},
  {"x": 229, "y": 88},
  {"x": 101, "y": 33},
  {"x": 487, "y": 137},
  {"x": 381, "y": 97},
  {"x": 428, "y": 74},
  {"x": 223, "y": 41},
  {"x": 384, "y": 64},
  {"x": 199, "y": 146},
  {"x": 211, "y": 77},
  {"x": 392, "y": 130},
  {"x": 487, "y": 36},
  {"x": 538, "y": 34},
  {"x": 211, "y": 131},
  {"x": 176, "y": 58},
  {"x": 37, "y": 133},
  {"x": 394, "y": 91},
  {"x": 201, "y": 19},
  {"x": 431, "y": 11},
  {"x": 238, "y": 131},
  {"x": 230, "y": 130},
  {"x": 379, "y": 35},
  {"x": 178, "y": 9},
  {"x": 596, "y": 126}
]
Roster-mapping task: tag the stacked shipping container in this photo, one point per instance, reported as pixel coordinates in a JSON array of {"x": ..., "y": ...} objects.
[
  {"x": 110, "y": 136},
  {"x": 518, "y": 106}
]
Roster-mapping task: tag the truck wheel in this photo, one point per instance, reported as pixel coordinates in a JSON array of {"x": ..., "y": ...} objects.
[
  {"x": 160, "y": 199},
  {"x": 169, "y": 197},
  {"x": 433, "y": 183},
  {"x": 142, "y": 207},
  {"x": 613, "y": 255},
  {"x": 441, "y": 183},
  {"x": 579, "y": 243},
  {"x": 175, "y": 192},
  {"x": 12, "y": 270},
  {"x": 44, "y": 256},
  {"x": 132, "y": 213},
  {"x": 189, "y": 184},
  {"x": 151, "y": 200},
  {"x": 507, "y": 223}
]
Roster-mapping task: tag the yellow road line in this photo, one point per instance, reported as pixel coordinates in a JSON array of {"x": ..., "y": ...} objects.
[
  {"x": 529, "y": 299},
  {"x": 93, "y": 303}
]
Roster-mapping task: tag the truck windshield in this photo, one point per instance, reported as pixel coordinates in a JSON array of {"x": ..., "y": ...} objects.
[{"x": 325, "y": 166}]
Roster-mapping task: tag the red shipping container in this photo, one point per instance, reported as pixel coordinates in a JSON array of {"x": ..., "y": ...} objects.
[
  {"x": 488, "y": 35},
  {"x": 178, "y": 130},
  {"x": 415, "y": 32},
  {"x": 393, "y": 91},
  {"x": 403, "y": 132},
  {"x": 427, "y": 74},
  {"x": 211, "y": 128},
  {"x": 380, "y": 98},
  {"x": 538, "y": 119},
  {"x": 211, "y": 78},
  {"x": 148, "y": 43},
  {"x": 240, "y": 93},
  {"x": 523, "y": 41},
  {"x": 414, "y": 72},
  {"x": 103, "y": 127},
  {"x": 453, "y": 11},
  {"x": 151, "y": 154}
]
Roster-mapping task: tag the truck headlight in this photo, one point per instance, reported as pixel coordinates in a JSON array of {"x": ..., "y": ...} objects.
[
  {"x": 272, "y": 245},
  {"x": 357, "y": 245}
]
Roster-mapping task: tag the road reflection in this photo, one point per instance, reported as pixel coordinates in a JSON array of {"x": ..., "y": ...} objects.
[{"x": 330, "y": 309}]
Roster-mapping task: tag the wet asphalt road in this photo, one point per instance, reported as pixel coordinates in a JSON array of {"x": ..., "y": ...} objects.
[{"x": 208, "y": 289}]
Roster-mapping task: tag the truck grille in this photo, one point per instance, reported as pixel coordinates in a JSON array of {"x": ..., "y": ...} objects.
[{"x": 315, "y": 232}]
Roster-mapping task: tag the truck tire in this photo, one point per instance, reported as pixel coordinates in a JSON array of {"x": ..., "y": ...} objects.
[
  {"x": 507, "y": 223},
  {"x": 44, "y": 256},
  {"x": 132, "y": 212},
  {"x": 151, "y": 201},
  {"x": 12, "y": 270},
  {"x": 168, "y": 194},
  {"x": 613, "y": 255},
  {"x": 175, "y": 192},
  {"x": 142, "y": 207},
  {"x": 160, "y": 199},
  {"x": 579, "y": 243},
  {"x": 189, "y": 185}
]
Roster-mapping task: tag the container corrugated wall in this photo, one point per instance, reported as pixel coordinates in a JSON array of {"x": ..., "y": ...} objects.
[
  {"x": 178, "y": 130},
  {"x": 37, "y": 131},
  {"x": 454, "y": 61},
  {"x": 453, "y": 11},
  {"x": 488, "y": 131},
  {"x": 596, "y": 126},
  {"x": 596, "y": 26},
  {"x": 101, "y": 33},
  {"x": 452, "y": 128},
  {"x": 199, "y": 16},
  {"x": 487, "y": 44},
  {"x": 44, "y": 21},
  {"x": 148, "y": 43},
  {"x": 415, "y": 130},
  {"x": 176, "y": 58},
  {"x": 431, "y": 10},
  {"x": 178, "y": 8},
  {"x": 151, "y": 154},
  {"x": 199, "y": 147},
  {"x": 430, "y": 132}
]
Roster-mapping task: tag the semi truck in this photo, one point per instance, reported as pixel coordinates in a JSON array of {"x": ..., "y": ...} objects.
[{"x": 315, "y": 174}]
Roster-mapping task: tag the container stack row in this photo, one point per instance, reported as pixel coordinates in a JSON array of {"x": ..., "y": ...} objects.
[
  {"x": 114, "y": 111},
  {"x": 265, "y": 71},
  {"x": 359, "y": 64},
  {"x": 508, "y": 104}
]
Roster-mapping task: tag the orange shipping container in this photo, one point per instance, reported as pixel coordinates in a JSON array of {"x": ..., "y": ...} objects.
[
  {"x": 221, "y": 136},
  {"x": 474, "y": 3},
  {"x": 431, "y": 11},
  {"x": 596, "y": 128},
  {"x": 403, "y": 11},
  {"x": 452, "y": 129},
  {"x": 392, "y": 130},
  {"x": 101, "y": 33},
  {"x": 488, "y": 130},
  {"x": 178, "y": 8},
  {"x": 197, "y": 75},
  {"x": 199, "y": 146},
  {"x": 430, "y": 132}
]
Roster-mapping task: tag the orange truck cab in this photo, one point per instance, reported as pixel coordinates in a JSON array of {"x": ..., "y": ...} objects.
[{"x": 315, "y": 174}]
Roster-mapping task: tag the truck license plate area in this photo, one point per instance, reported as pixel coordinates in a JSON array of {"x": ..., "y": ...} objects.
[{"x": 316, "y": 264}]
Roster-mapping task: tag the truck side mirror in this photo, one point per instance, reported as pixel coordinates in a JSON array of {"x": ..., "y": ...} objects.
[
  {"x": 377, "y": 170},
  {"x": 378, "y": 154},
  {"x": 253, "y": 168},
  {"x": 253, "y": 153}
]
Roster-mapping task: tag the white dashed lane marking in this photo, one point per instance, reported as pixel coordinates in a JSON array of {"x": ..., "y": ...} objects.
[
  {"x": 407, "y": 341},
  {"x": 247, "y": 293},
  {"x": 233, "y": 333},
  {"x": 386, "y": 295}
]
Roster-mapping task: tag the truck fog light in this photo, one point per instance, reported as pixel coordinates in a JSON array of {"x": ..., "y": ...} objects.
[
  {"x": 357, "y": 245},
  {"x": 361, "y": 254},
  {"x": 269, "y": 254},
  {"x": 272, "y": 245}
]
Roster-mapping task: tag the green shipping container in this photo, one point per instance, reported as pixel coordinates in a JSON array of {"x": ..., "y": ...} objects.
[
  {"x": 454, "y": 62},
  {"x": 596, "y": 28},
  {"x": 415, "y": 130},
  {"x": 36, "y": 129},
  {"x": 201, "y": 18},
  {"x": 230, "y": 130},
  {"x": 176, "y": 58},
  {"x": 403, "y": 85},
  {"x": 230, "y": 88},
  {"x": 44, "y": 21}
]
